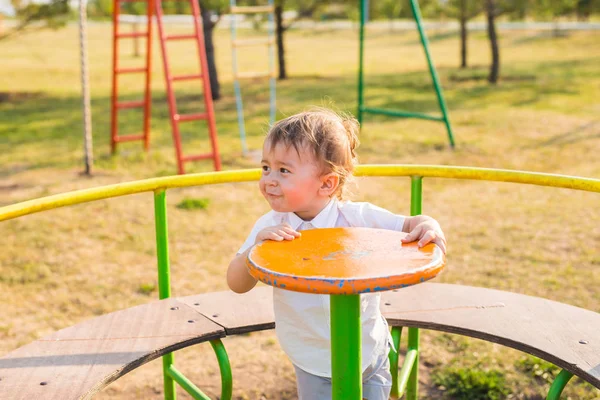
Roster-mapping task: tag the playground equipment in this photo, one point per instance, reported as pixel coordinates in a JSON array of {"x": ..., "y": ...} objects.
[
  {"x": 362, "y": 108},
  {"x": 78, "y": 361},
  {"x": 344, "y": 263},
  {"x": 155, "y": 6},
  {"x": 237, "y": 76}
]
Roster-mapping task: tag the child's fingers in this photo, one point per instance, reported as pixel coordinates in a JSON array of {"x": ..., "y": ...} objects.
[
  {"x": 288, "y": 229},
  {"x": 441, "y": 242},
  {"x": 428, "y": 237},
  {"x": 432, "y": 236},
  {"x": 285, "y": 235},
  {"x": 413, "y": 235},
  {"x": 273, "y": 236}
]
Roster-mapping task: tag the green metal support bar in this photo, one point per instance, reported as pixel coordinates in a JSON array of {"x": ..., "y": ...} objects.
[
  {"x": 162, "y": 244},
  {"x": 414, "y": 5},
  {"x": 412, "y": 388},
  {"x": 346, "y": 367},
  {"x": 164, "y": 277},
  {"x": 186, "y": 384},
  {"x": 410, "y": 361},
  {"x": 559, "y": 384},
  {"x": 402, "y": 114},
  {"x": 434, "y": 77},
  {"x": 225, "y": 368},
  {"x": 416, "y": 205},
  {"x": 394, "y": 356},
  {"x": 170, "y": 374},
  {"x": 361, "y": 53},
  {"x": 416, "y": 195},
  {"x": 226, "y": 377}
]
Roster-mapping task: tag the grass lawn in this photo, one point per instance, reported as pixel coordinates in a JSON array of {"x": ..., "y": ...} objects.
[{"x": 67, "y": 265}]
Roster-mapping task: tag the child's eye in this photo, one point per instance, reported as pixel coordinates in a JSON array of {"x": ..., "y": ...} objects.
[
  {"x": 265, "y": 168},
  {"x": 284, "y": 170}
]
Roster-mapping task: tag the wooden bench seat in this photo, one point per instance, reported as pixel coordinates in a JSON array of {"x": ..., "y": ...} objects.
[{"x": 77, "y": 362}]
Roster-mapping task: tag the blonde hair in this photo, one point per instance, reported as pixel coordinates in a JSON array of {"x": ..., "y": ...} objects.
[{"x": 331, "y": 137}]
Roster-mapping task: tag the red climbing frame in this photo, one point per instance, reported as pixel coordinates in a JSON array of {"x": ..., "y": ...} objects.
[
  {"x": 155, "y": 6},
  {"x": 209, "y": 113},
  {"x": 116, "y": 71}
]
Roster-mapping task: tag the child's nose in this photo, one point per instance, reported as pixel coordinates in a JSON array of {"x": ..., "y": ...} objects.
[{"x": 270, "y": 181}]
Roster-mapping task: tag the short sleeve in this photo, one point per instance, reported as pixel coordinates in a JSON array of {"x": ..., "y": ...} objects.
[{"x": 262, "y": 223}]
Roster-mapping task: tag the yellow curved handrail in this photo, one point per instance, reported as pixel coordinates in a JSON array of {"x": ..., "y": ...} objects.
[{"x": 211, "y": 178}]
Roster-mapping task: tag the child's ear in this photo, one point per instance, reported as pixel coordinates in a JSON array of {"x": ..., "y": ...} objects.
[{"x": 329, "y": 184}]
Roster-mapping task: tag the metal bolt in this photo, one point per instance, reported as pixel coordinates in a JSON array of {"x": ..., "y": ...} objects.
[
  {"x": 388, "y": 304},
  {"x": 196, "y": 304},
  {"x": 215, "y": 315},
  {"x": 43, "y": 383},
  {"x": 582, "y": 341},
  {"x": 174, "y": 308},
  {"x": 191, "y": 321}
]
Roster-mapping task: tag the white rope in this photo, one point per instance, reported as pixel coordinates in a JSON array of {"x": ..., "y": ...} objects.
[{"x": 85, "y": 88}]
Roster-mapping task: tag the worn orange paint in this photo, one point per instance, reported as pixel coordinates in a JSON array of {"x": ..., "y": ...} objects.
[{"x": 344, "y": 261}]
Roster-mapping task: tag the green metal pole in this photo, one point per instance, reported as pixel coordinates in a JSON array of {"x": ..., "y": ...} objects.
[
  {"x": 162, "y": 244},
  {"x": 394, "y": 356},
  {"x": 164, "y": 276},
  {"x": 225, "y": 368},
  {"x": 559, "y": 384},
  {"x": 416, "y": 195},
  {"x": 414, "y": 5},
  {"x": 186, "y": 384},
  {"x": 416, "y": 205},
  {"x": 361, "y": 52},
  {"x": 346, "y": 363},
  {"x": 407, "y": 368}
]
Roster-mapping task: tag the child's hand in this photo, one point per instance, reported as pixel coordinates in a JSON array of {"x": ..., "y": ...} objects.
[
  {"x": 427, "y": 231},
  {"x": 277, "y": 233}
]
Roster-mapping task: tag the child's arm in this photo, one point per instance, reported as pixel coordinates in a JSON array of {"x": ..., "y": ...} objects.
[
  {"x": 425, "y": 229},
  {"x": 238, "y": 278}
]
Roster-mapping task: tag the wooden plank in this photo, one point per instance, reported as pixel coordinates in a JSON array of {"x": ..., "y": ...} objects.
[
  {"x": 565, "y": 335},
  {"x": 237, "y": 313},
  {"x": 78, "y": 361}
]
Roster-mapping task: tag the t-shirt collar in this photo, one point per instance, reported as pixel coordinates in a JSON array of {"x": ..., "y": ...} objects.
[{"x": 325, "y": 219}]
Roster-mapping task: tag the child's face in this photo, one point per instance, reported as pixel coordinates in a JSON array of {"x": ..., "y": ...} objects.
[{"x": 290, "y": 181}]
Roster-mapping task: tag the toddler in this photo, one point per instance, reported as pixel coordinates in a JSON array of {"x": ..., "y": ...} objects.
[{"x": 307, "y": 161}]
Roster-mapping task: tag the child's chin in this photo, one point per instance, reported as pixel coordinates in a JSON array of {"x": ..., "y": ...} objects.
[{"x": 279, "y": 208}]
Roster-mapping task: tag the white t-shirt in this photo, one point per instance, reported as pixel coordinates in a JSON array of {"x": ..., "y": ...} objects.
[{"x": 302, "y": 319}]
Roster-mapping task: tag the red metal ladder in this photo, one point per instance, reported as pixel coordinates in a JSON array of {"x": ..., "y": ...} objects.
[
  {"x": 209, "y": 113},
  {"x": 116, "y": 105}
]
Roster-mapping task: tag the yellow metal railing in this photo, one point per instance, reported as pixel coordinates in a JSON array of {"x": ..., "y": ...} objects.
[{"x": 150, "y": 185}]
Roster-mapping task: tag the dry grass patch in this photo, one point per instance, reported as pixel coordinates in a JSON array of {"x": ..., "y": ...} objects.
[{"x": 63, "y": 266}]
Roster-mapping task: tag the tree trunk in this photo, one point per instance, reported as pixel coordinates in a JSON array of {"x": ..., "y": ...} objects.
[
  {"x": 463, "y": 41},
  {"x": 463, "y": 33},
  {"x": 208, "y": 28},
  {"x": 491, "y": 28},
  {"x": 279, "y": 30}
]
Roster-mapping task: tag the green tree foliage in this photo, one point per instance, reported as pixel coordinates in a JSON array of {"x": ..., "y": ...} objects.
[
  {"x": 53, "y": 15},
  {"x": 552, "y": 9},
  {"x": 389, "y": 9}
]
